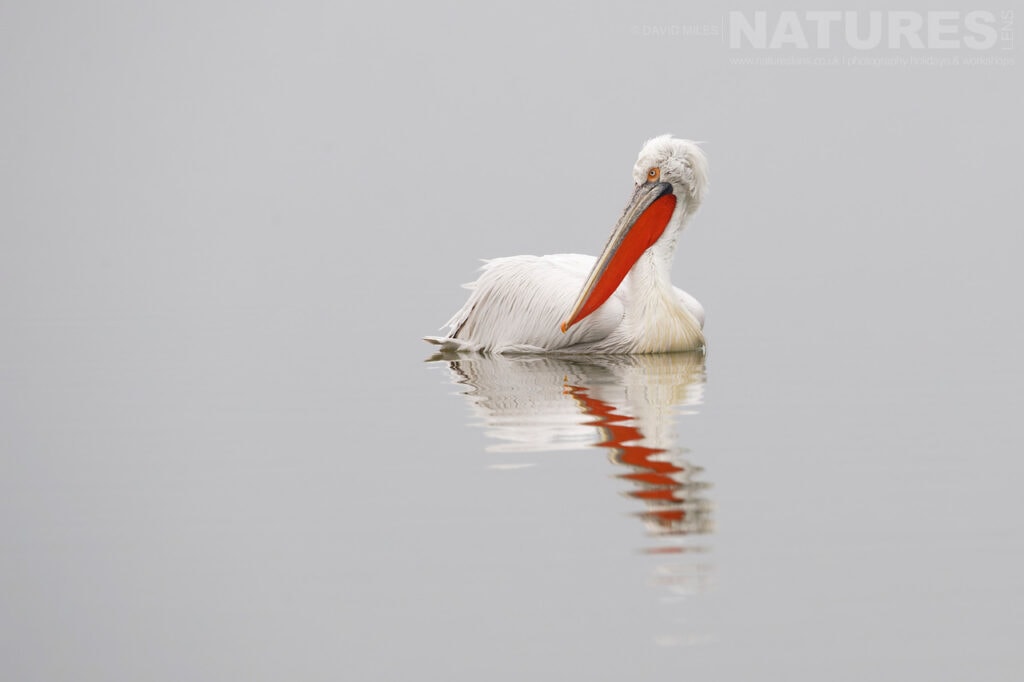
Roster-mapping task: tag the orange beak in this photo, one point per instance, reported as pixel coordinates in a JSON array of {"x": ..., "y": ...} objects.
[{"x": 641, "y": 224}]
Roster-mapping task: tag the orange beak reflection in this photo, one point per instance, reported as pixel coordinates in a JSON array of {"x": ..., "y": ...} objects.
[{"x": 641, "y": 224}]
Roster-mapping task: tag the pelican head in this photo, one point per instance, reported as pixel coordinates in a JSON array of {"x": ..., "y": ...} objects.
[
  {"x": 671, "y": 177},
  {"x": 680, "y": 163}
]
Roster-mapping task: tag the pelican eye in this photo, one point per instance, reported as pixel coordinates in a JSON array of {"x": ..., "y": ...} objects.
[{"x": 653, "y": 175}]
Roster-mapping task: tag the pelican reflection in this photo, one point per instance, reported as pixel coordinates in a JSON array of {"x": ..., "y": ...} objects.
[{"x": 627, "y": 405}]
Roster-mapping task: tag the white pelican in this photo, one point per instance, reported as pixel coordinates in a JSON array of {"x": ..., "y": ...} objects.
[{"x": 620, "y": 302}]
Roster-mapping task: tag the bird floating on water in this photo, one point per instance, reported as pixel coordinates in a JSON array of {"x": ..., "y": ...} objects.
[{"x": 620, "y": 302}]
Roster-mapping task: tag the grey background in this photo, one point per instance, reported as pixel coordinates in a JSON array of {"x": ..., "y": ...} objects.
[{"x": 224, "y": 227}]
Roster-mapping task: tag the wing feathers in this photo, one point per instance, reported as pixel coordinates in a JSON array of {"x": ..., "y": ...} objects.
[{"x": 517, "y": 303}]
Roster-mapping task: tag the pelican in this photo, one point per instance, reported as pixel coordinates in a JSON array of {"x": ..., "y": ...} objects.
[{"x": 620, "y": 302}]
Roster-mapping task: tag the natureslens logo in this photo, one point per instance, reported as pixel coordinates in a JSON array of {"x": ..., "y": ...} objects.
[{"x": 875, "y": 30}]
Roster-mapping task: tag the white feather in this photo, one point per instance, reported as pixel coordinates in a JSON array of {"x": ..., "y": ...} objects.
[{"x": 518, "y": 302}]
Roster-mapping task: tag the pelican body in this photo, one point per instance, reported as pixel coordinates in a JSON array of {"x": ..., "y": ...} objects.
[{"x": 620, "y": 302}]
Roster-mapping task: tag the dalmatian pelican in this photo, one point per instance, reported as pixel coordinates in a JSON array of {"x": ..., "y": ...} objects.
[{"x": 620, "y": 302}]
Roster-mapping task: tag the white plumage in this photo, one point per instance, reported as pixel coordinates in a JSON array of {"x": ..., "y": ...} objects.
[{"x": 519, "y": 304}]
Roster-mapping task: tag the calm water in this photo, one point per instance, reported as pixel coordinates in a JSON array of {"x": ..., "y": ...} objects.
[
  {"x": 227, "y": 496},
  {"x": 626, "y": 406}
]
